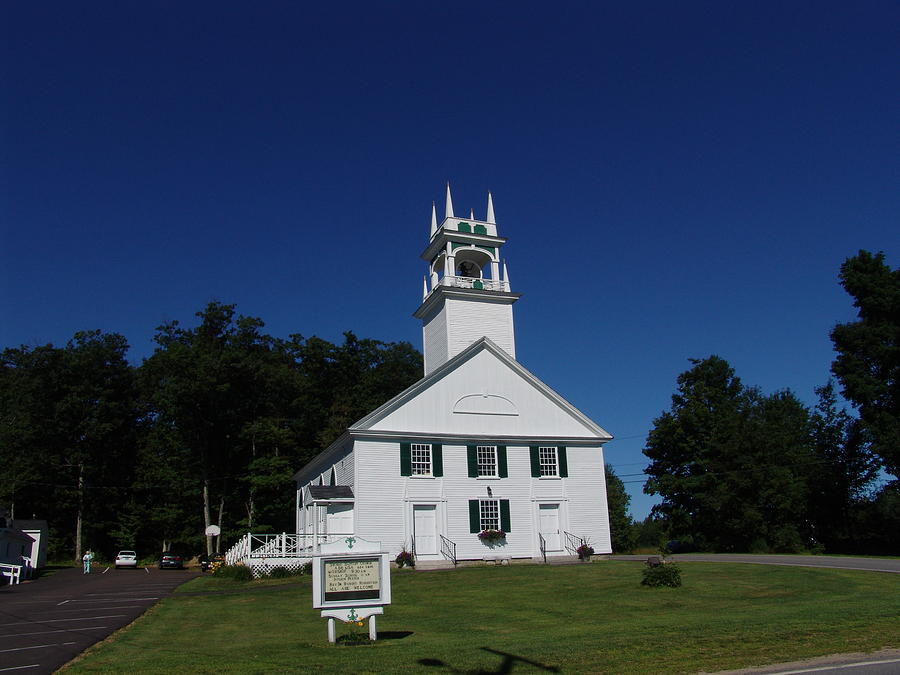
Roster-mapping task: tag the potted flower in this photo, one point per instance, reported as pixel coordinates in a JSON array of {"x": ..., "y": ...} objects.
[
  {"x": 491, "y": 537},
  {"x": 405, "y": 559},
  {"x": 585, "y": 551}
]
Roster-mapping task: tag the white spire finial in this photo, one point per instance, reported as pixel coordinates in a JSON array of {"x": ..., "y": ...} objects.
[
  {"x": 424, "y": 287},
  {"x": 505, "y": 277},
  {"x": 433, "y": 219},
  {"x": 471, "y": 214},
  {"x": 490, "y": 212},
  {"x": 448, "y": 211}
]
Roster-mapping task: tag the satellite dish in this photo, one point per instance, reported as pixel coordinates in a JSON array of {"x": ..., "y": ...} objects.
[{"x": 213, "y": 531}]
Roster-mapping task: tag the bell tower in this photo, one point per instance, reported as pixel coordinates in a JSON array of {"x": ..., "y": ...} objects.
[{"x": 465, "y": 297}]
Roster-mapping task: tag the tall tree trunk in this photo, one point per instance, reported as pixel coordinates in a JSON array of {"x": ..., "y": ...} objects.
[
  {"x": 79, "y": 512},
  {"x": 221, "y": 512},
  {"x": 206, "y": 518}
]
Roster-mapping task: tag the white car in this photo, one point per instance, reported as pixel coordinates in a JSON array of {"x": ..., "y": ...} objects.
[{"x": 126, "y": 559}]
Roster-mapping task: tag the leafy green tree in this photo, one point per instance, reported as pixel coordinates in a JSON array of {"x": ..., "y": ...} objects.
[
  {"x": 730, "y": 463},
  {"x": 688, "y": 448},
  {"x": 868, "y": 352},
  {"x": 843, "y": 475},
  {"x": 621, "y": 526},
  {"x": 68, "y": 435}
]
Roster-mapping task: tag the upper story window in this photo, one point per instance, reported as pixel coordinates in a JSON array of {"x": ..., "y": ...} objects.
[
  {"x": 421, "y": 459},
  {"x": 487, "y": 460},
  {"x": 549, "y": 462}
]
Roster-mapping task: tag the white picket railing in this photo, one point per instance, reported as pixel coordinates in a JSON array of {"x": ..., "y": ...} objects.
[
  {"x": 473, "y": 282},
  {"x": 263, "y": 546}
]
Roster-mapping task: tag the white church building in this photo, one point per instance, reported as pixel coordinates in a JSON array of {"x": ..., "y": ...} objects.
[{"x": 478, "y": 444}]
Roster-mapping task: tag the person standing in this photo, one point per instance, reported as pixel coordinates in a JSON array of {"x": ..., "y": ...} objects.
[{"x": 86, "y": 558}]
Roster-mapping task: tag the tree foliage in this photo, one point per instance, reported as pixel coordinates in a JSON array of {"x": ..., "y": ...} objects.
[
  {"x": 207, "y": 430},
  {"x": 737, "y": 470},
  {"x": 621, "y": 526},
  {"x": 868, "y": 352}
]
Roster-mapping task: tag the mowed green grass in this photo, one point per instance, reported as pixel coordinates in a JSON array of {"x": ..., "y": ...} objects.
[{"x": 588, "y": 618}]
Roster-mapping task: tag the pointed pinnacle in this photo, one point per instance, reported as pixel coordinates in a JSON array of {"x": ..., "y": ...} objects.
[
  {"x": 448, "y": 210},
  {"x": 490, "y": 210},
  {"x": 433, "y": 219}
]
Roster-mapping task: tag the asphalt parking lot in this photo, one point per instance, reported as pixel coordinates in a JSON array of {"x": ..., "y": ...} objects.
[{"x": 47, "y": 622}]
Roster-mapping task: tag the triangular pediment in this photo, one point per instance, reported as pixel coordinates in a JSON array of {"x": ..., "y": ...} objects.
[{"x": 481, "y": 392}]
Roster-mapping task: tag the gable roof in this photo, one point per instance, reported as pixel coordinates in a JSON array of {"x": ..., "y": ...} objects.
[{"x": 476, "y": 387}]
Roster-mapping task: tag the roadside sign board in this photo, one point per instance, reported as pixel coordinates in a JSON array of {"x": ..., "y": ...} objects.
[{"x": 351, "y": 582}]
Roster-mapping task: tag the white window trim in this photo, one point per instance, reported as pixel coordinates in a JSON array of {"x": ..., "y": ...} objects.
[
  {"x": 481, "y": 518},
  {"x": 542, "y": 465},
  {"x": 478, "y": 465},
  {"x": 420, "y": 447}
]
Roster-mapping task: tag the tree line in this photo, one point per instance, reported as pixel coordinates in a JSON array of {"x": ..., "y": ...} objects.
[
  {"x": 740, "y": 470},
  {"x": 208, "y": 430}
]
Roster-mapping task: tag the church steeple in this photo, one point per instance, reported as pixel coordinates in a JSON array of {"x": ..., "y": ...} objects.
[{"x": 467, "y": 299}]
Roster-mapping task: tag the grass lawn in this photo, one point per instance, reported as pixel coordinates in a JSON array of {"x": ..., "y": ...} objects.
[{"x": 592, "y": 618}]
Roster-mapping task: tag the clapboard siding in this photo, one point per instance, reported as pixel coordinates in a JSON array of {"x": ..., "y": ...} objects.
[
  {"x": 469, "y": 321},
  {"x": 587, "y": 497},
  {"x": 385, "y": 498},
  {"x": 434, "y": 337}
]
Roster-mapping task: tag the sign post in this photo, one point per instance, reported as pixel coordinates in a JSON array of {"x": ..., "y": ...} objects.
[{"x": 351, "y": 582}]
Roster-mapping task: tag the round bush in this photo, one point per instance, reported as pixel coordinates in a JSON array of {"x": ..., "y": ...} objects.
[{"x": 667, "y": 574}]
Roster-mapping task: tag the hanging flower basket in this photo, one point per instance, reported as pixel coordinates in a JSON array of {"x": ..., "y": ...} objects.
[{"x": 492, "y": 536}]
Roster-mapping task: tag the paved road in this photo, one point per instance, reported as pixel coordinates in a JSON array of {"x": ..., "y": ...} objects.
[
  {"x": 47, "y": 622},
  {"x": 883, "y": 662},
  {"x": 835, "y": 562}
]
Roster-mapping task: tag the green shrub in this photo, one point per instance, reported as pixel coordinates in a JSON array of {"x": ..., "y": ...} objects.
[
  {"x": 666, "y": 574},
  {"x": 306, "y": 568},
  {"x": 280, "y": 572},
  {"x": 235, "y": 572}
]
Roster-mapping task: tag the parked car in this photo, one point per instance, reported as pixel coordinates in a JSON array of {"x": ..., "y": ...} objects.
[
  {"x": 171, "y": 561},
  {"x": 206, "y": 561},
  {"x": 126, "y": 559}
]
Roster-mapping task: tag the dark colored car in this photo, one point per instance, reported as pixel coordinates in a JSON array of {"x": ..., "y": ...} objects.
[
  {"x": 206, "y": 561},
  {"x": 171, "y": 561}
]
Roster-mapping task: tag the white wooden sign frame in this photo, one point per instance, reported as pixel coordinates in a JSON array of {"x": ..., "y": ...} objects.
[{"x": 351, "y": 582}]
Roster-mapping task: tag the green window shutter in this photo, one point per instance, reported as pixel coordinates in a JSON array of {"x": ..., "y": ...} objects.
[
  {"x": 405, "y": 459},
  {"x": 563, "y": 461},
  {"x": 464, "y": 227},
  {"x": 474, "y": 516},
  {"x": 437, "y": 460},
  {"x": 472, "y": 457},
  {"x": 502, "y": 471},
  {"x": 480, "y": 229},
  {"x": 535, "y": 462},
  {"x": 504, "y": 515}
]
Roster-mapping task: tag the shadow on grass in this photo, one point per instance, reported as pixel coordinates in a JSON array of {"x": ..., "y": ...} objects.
[
  {"x": 506, "y": 665},
  {"x": 393, "y": 634}
]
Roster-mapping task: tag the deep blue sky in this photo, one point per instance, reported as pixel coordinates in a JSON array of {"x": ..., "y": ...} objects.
[{"x": 675, "y": 179}]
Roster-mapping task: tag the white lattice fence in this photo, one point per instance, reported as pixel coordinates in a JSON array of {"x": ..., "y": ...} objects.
[{"x": 262, "y": 568}]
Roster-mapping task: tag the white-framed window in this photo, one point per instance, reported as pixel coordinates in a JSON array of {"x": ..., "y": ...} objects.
[
  {"x": 490, "y": 514},
  {"x": 549, "y": 461},
  {"x": 420, "y": 454},
  {"x": 487, "y": 460}
]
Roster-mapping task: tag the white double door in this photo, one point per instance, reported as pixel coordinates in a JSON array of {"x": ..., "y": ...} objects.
[
  {"x": 549, "y": 526},
  {"x": 425, "y": 528}
]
